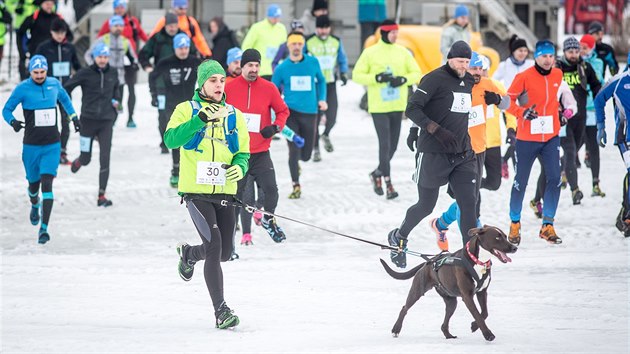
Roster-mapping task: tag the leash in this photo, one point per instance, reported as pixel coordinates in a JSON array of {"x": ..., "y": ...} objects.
[{"x": 252, "y": 209}]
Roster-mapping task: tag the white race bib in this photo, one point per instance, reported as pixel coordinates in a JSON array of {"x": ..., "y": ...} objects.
[
  {"x": 61, "y": 68},
  {"x": 490, "y": 111},
  {"x": 45, "y": 117},
  {"x": 591, "y": 119},
  {"x": 542, "y": 125},
  {"x": 563, "y": 132},
  {"x": 161, "y": 102},
  {"x": 210, "y": 173},
  {"x": 626, "y": 158},
  {"x": 271, "y": 52},
  {"x": 326, "y": 62},
  {"x": 85, "y": 144},
  {"x": 389, "y": 93},
  {"x": 301, "y": 83},
  {"x": 461, "y": 102},
  {"x": 253, "y": 122},
  {"x": 475, "y": 116}
]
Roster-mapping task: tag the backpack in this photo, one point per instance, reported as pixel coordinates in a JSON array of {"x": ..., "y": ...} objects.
[{"x": 229, "y": 130}]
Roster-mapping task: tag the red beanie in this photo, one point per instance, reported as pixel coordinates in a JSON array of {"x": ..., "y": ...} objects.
[{"x": 588, "y": 40}]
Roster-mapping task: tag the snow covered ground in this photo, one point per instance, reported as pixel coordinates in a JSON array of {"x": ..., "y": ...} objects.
[{"x": 107, "y": 280}]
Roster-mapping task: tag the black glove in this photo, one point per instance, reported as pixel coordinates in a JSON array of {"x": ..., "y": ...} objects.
[
  {"x": 19, "y": 10},
  {"x": 17, "y": 125},
  {"x": 446, "y": 138},
  {"x": 77, "y": 124},
  {"x": 154, "y": 101},
  {"x": 412, "y": 138},
  {"x": 269, "y": 131},
  {"x": 398, "y": 81},
  {"x": 563, "y": 120},
  {"x": 344, "y": 79},
  {"x": 492, "y": 98},
  {"x": 530, "y": 113},
  {"x": 384, "y": 77},
  {"x": 511, "y": 136},
  {"x": 211, "y": 109}
]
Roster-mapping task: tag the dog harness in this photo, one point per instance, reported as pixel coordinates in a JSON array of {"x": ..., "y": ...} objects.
[{"x": 452, "y": 260}]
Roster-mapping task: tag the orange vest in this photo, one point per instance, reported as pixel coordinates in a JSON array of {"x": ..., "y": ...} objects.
[{"x": 477, "y": 116}]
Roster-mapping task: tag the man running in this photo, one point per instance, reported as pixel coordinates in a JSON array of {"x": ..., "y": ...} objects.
[
  {"x": 101, "y": 97},
  {"x": 187, "y": 24},
  {"x": 266, "y": 36},
  {"x": 604, "y": 51},
  {"x": 256, "y": 97},
  {"x": 215, "y": 148},
  {"x": 440, "y": 107},
  {"x": 234, "y": 64},
  {"x": 536, "y": 90},
  {"x": 39, "y": 96},
  {"x": 172, "y": 82},
  {"x": 301, "y": 81}
]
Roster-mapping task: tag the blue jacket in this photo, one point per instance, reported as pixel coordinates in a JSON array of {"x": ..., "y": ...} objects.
[
  {"x": 619, "y": 88},
  {"x": 302, "y": 84},
  {"x": 40, "y": 129},
  {"x": 372, "y": 11}
]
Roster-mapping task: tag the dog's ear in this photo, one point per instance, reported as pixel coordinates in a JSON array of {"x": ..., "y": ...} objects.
[{"x": 476, "y": 231}]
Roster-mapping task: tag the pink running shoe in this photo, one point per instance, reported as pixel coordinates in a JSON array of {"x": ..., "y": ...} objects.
[
  {"x": 505, "y": 170},
  {"x": 258, "y": 217},
  {"x": 246, "y": 240}
]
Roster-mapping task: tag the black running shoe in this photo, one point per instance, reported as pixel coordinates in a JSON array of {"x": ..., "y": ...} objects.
[
  {"x": 391, "y": 192},
  {"x": 225, "y": 317},
  {"x": 377, "y": 183},
  {"x": 34, "y": 216},
  {"x": 43, "y": 236},
  {"x": 272, "y": 228},
  {"x": 185, "y": 267},
  {"x": 75, "y": 166},
  {"x": 104, "y": 202},
  {"x": 577, "y": 196},
  {"x": 395, "y": 239}
]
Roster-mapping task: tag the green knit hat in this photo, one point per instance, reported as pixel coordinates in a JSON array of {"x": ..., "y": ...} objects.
[{"x": 207, "y": 69}]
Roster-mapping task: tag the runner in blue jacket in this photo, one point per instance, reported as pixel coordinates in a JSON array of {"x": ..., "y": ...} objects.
[
  {"x": 617, "y": 88},
  {"x": 41, "y": 150}
]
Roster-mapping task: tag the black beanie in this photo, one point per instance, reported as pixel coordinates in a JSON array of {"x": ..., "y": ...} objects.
[
  {"x": 384, "y": 34},
  {"x": 516, "y": 43},
  {"x": 58, "y": 25},
  {"x": 322, "y": 21},
  {"x": 319, "y": 5},
  {"x": 460, "y": 49},
  {"x": 250, "y": 55}
]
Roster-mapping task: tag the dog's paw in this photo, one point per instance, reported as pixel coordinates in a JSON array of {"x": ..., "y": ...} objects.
[
  {"x": 396, "y": 330},
  {"x": 473, "y": 326},
  {"x": 395, "y": 335},
  {"x": 489, "y": 336}
]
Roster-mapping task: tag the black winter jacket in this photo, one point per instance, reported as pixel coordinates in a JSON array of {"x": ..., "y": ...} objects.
[
  {"x": 99, "y": 87},
  {"x": 63, "y": 53}
]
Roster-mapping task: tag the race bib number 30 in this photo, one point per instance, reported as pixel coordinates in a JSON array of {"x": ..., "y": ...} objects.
[
  {"x": 542, "y": 125},
  {"x": 301, "y": 83},
  {"x": 45, "y": 117},
  {"x": 476, "y": 117},
  {"x": 253, "y": 122},
  {"x": 461, "y": 102},
  {"x": 210, "y": 173}
]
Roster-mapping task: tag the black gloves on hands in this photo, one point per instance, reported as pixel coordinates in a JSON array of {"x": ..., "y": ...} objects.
[
  {"x": 511, "y": 137},
  {"x": 397, "y": 81},
  {"x": 446, "y": 138},
  {"x": 530, "y": 113},
  {"x": 207, "y": 113},
  {"x": 492, "y": 98},
  {"x": 77, "y": 124},
  {"x": 154, "y": 101},
  {"x": 17, "y": 125},
  {"x": 384, "y": 77},
  {"x": 344, "y": 79},
  {"x": 269, "y": 131},
  {"x": 412, "y": 138}
]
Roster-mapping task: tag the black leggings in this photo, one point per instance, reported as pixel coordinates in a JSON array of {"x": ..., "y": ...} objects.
[
  {"x": 131, "y": 77},
  {"x": 492, "y": 163},
  {"x": 163, "y": 117},
  {"x": 103, "y": 129},
  {"x": 216, "y": 225},
  {"x": 304, "y": 125},
  {"x": 570, "y": 144},
  {"x": 65, "y": 129},
  {"x": 331, "y": 113},
  {"x": 590, "y": 139},
  {"x": 261, "y": 171},
  {"x": 387, "y": 127}
]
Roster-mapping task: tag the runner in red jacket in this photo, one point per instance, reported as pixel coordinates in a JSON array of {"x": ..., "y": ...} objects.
[
  {"x": 256, "y": 97},
  {"x": 132, "y": 31}
]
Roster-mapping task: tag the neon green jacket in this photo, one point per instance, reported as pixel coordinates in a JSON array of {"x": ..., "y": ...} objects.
[
  {"x": 384, "y": 57},
  {"x": 183, "y": 126},
  {"x": 265, "y": 38},
  {"x": 28, "y": 8}
]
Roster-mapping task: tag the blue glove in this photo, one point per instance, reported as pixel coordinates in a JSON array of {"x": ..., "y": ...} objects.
[
  {"x": 298, "y": 141},
  {"x": 601, "y": 134}
]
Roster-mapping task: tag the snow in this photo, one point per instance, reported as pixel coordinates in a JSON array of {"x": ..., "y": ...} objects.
[{"x": 107, "y": 280}]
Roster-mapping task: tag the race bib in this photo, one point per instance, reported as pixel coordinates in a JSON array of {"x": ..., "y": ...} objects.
[
  {"x": 475, "y": 116},
  {"x": 563, "y": 132},
  {"x": 271, "y": 52},
  {"x": 161, "y": 102},
  {"x": 390, "y": 93},
  {"x": 61, "y": 69},
  {"x": 210, "y": 173},
  {"x": 85, "y": 144},
  {"x": 626, "y": 158},
  {"x": 326, "y": 62},
  {"x": 461, "y": 102},
  {"x": 300, "y": 83},
  {"x": 591, "y": 119},
  {"x": 45, "y": 117},
  {"x": 542, "y": 125},
  {"x": 253, "y": 122},
  {"x": 490, "y": 111}
]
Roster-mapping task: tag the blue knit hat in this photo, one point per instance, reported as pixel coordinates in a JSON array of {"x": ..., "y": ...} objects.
[
  {"x": 460, "y": 11},
  {"x": 100, "y": 50},
  {"x": 38, "y": 62},
  {"x": 274, "y": 11},
  {"x": 181, "y": 40},
  {"x": 116, "y": 21},
  {"x": 475, "y": 61},
  {"x": 234, "y": 54},
  {"x": 544, "y": 47},
  {"x": 118, "y": 3},
  {"x": 179, "y": 3}
]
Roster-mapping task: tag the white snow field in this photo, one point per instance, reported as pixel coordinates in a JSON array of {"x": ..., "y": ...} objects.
[{"x": 107, "y": 281}]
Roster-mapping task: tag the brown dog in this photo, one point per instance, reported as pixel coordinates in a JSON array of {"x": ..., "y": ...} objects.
[{"x": 463, "y": 273}]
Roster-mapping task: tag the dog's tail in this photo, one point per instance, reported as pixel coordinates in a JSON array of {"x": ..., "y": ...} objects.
[{"x": 402, "y": 276}]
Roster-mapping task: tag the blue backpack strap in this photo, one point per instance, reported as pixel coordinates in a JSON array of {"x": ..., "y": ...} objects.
[
  {"x": 231, "y": 133},
  {"x": 194, "y": 142}
]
